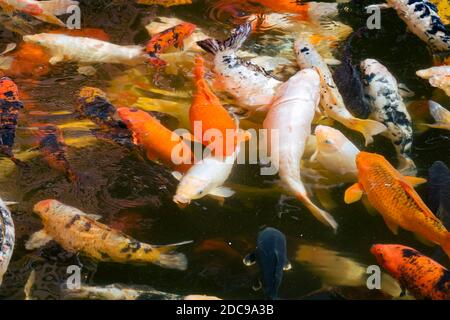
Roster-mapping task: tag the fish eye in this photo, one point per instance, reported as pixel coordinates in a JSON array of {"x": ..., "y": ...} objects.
[{"x": 328, "y": 141}]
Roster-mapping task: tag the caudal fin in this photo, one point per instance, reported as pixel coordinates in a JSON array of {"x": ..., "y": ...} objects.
[
  {"x": 199, "y": 70},
  {"x": 172, "y": 260},
  {"x": 318, "y": 213},
  {"x": 234, "y": 42},
  {"x": 368, "y": 128}
]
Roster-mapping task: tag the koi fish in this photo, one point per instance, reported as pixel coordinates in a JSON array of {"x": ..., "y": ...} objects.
[
  {"x": 439, "y": 191},
  {"x": 43, "y": 10},
  {"x": 7, "y": 238},
  {"x": 10, "y": 105},
  {"x": 94, "y": 105},
  {"x": 423, "y": 277},
  {"x": 393, "y": 196},
  {"x": 422, "y": 19},
  {"x": 86, "y": 51},
  {"x": 78, "y": 232},
  {"x": 438, "y": 77},
  {"x": 388, "y": 107},
  {"x": 164, "y": 3},
  {"x": 441, "y": 115},
  {"x": 335, "y": 152},
  {"x": 251, "y": 86},
  {"x": 54, "y": 150},
  {"x": 172, "y": 37},
  {"x": 332, "y": 102},
  {"x": 159, "y": 142},
  {"x": 271, "y": 257},
  {"x": 288, "y": 125}
]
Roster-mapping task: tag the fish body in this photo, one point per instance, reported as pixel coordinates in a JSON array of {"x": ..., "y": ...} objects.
[
  {"x": 271, "y": 257},
  {"x": 250, "y": 85},
  {"x": 86, "y": 51},
  {"x": 331, "y": 100},
  {"x": 422, "y": 19},
  {"x": 441, "y": 115},
  {"x": 43, "y": 10},
  {"x": 10, "y": 106},
  {"x": 388, "y": 108},
  {"x": 438, "y": 77},
  {"x": 54, "y": 150},
  {"x": 394, "y": 197},
  {"x": 164, "y": 3},
  {"x": 159, "y": 142},
  {"x": 423, "y": 277},
  {"x": 288, "y": 125},
  {"x": 172, "y": 37},
  {"x": 335, "y": 152},
  {"x": 439, "y": 191},
  {"x": 7, "y": 238},
  {"x": 77, "y": 232}
]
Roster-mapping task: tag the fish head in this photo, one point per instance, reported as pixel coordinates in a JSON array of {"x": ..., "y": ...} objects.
[
  {"x": 329, "y": 139},
  {"x": 8, "y": 90},
  {"x": 190, "y": 188},
  {"x": 370, "y": 66},
  {"x": 131, "y": 116},
  {"x": 365, "y": 161},
  {"x": 185, "y": 29},
  {"x": 45, "y": 208},
  {"x": 391, "y": 256}
]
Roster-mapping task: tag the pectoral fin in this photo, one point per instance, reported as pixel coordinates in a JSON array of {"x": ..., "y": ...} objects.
[
  {"x": 222, "y": 192},
  {"x": 354, "y": 193},
  {"x": 392, "y": 226},
  {"x": 287, "y": 265},
  {"x": 415, "y": 181},
  {"x": 404, "y": 91},
  {"x": 250, "y": 259},
  {"x": 177, "y": 175},
  {"x": 37, "y": 240},
  {"x": 332, "y": 62}
]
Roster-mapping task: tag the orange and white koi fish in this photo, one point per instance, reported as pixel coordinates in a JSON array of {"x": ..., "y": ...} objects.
[
  {"x": 159, "y": 142},
  {"x": 441, "y": 115},
  {"x": 394, "y": 197},
  {"x": 438, "y": 77},
  {"x": 172, "y": 37},
  {"x": 78, "y": 232},
  {"x": 7, "y": 238},
  {"x": 289, "y": 117},
  {"x": 43, "y": 10},
  {"x": 251, "y": 86},
  {"x": 332, "y": 102},
  {"x": 423, "y": 277},
  {"x": 164, "y": 3}
]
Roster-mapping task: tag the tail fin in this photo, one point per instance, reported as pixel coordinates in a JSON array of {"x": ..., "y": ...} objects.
[
  {"x": 234, "y": 42},
  {"x": 368, "y": 128},
  {"x": 199, "y": 70},
  {"x": 56, "y": 7},
  {"x": 318, "y": 213},
  {"x": 172, "y": 260}
]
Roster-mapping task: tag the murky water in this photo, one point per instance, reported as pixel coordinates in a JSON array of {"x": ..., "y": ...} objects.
[{"x": 136, "y": 196}]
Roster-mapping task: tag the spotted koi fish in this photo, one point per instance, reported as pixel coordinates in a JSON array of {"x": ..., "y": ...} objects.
[
  {"x": 54, "y": 150},
  {"x": 423, "y": 277},
  {"x": 422, "y": 18},
  {"x": 381, "y": 89},
  {"x": 7, "y": 237},
  {"x": 394, "y": 197},
  {"x": 94, "y": 105},
  {"x": 172, "y": 37},
  {"x": 10, "y": 106},
  {"x": 78, "y": 232}
]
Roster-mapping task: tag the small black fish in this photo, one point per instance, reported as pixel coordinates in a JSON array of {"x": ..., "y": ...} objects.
[
  {"x": 439, "y": 191},
  {"x": 271, "y": 257},
  {"x": 349, "y": 81}
]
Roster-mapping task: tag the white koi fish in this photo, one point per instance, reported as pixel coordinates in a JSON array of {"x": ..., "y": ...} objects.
[
  {"x": 7, "y": 237},
  {"x": 438, "y": 77},
  {"x": 251, "y": 86},
  {"x": 289, "y": 117},
  {"x": 332, "y": 102},
  {"x": 381, "y": 89}
]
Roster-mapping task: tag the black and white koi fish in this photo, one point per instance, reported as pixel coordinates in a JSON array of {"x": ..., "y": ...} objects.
[{"x": 7, "y": 236}]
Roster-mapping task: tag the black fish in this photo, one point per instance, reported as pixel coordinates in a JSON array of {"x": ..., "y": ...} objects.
[
  {"x": 270, "y": 255},
  {"x": 349, "y": 81}
]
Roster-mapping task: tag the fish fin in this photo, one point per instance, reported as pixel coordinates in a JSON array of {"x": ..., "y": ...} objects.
[
  {"x": 368, "y": 128},
  {"x": 314, "y": 156},
  {"x": 332, "y": 61},
  {"x": 199, "y": 69},
  {"x": 177, "y": 175},
  {"x": 415, "y": 181},
  {"x": 404, "y": 91},
  {"x": 157, "y": 62},
  {"x": 234, "y": 42},
  {"x": 164, "y": 3},
  {"x": 287, "y": 265},
  {"x": 171, "y": 246},
  {"x": 38, "y": 239},
  {"x": 424, "y": 240},
  {"x": 9, "y": 10},
  {"x": 392, "y": 226},
  {"x": 6, "y": 62},
  {"x": 93, "y": 216},
  {"x": 176, "y": 261},
  {"x": 9, "y": 47},
  {"x": 412, "y": 193},
  {"x": 258, "y": 286},
  {"x": 87, "y": 70},
  {"x": 406, "y": 165},
  {"x": 56, "y": 59},
  {"x": 250, "y": 259},
  {"x": 370, "y": 209},
  {"x": 381, "y": 6},
  {"x": 10, "y": 203},
  {"x": 222, "y": 192},
  {"x": 320, "y": 214},
  {"x": 353, "y": 193},
  {"x": 57, "y": 7}
]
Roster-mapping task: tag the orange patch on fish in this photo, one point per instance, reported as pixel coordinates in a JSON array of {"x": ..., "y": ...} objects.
[{"x": 93, "y": 33}]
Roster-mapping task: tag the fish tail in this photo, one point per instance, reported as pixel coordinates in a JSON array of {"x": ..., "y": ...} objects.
[
  {"x": 199, "y": 70},
  {"x": 318, "y": 213},
  {"x": 234, "y": 42},
  {"x": 368, "y": 128},
  {"x": 171, "y": 260}
]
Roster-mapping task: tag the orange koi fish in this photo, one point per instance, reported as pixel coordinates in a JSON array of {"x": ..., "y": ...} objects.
[
  {"x": 159, "y": 142},
  {"x": 172, "y": 37},
  {"x": 423, "y": 277},
  {"x": 164, "y": 3},
  {"x": 393, "y": 195},
  {"x": 207, "y": 110}
]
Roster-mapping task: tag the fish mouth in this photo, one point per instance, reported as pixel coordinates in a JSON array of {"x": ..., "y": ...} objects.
[{"x": 181, "y": 201}]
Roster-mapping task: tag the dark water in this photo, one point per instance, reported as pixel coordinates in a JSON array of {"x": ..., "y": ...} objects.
[{"x": 136, "y": 196}]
